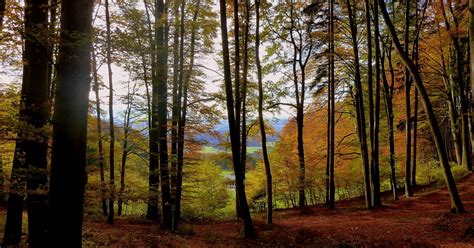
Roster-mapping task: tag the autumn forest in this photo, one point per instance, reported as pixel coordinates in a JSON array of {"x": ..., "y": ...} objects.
[{"x": 243, "y": 123}]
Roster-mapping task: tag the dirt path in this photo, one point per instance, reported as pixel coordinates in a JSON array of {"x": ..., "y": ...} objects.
[{"x": 421, "y": 221}]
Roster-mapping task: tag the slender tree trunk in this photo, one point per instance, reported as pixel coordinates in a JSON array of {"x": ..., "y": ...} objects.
[
  {"x": 125, "y": 149},
  {"x": 332, "y": 102},
  {"x": 375, "y": 149},
  {"x": 110, "y": 217},
  {"x": 360, "y": 109},
  {"x": 100, "y": 146},
  {"x": 408, "y": 188},
  {"x": 388, "y": 96},
  {"x": 370, "y": 92},
  {"x": 176, "y": 109},
  {"x": 183, "y": 90},
  {"x": 153, "y": 177},
  {"x": 456, "y": 203},
  {"x": 243, "y": 93},
  {"x": 68, "y": 163},
  {"x": 234, "y": 127},
  {"x": 266, "y": 160},
  {"x": 415, "y": 130}
]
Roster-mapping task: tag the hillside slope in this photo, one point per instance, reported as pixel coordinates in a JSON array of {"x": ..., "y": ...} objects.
[{"x": 421, "y": 221}]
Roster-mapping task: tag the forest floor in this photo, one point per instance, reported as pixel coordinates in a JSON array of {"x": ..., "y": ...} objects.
[{"x": 420, "y": 221}]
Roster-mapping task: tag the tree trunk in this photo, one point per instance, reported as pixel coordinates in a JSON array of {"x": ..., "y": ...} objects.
[
  {"x": 161, "y": 94},
  {"x": 456, "y": 204},
  {"x": 110, "y": 217},
  {"x": 152, "y": 212},
  {"x": 266, "y": 160},
  {"x": 183, "y": 90},
  {"x": 176, "y": 109},
  {"x": 359, "y": 100},
  {"x": 408, "y": 188},
  {"x": 125, "y": 149},
  {"x": 233, "y": 127},
  {"x": 371, "y": 98},
  {"x": 375, "y": 149},
  {"x": 100, "y": 146},
  {"x": 388, "y": 96},
  {"x": 332, "y": 103},
  {"x": 17, "y": 187},
  {"x": 68, "y": 163},
  {"x": 37, "y": 115}
]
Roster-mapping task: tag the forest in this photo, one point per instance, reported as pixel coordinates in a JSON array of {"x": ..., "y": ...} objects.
[{"x": 236, "y": 123}]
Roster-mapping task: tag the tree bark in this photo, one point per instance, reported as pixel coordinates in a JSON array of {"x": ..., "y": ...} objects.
[
  {"x": 68, "y": 163},
  {"x": 261, "y": 121},
  {"x": 388, "y": 96},
  {"x": 332, "y": 103},
  {"x": 100, "y": 146},
  {"x": 234, "y": 127},
  {"x": 408, "y": 188},
  {"x": 359, "y": 101},
  {"x": 152, "y": 212},
  {"x": 160, "y": 92},
  {"x": 110, "y": 217},
  {"x": 375, "y": 149}
]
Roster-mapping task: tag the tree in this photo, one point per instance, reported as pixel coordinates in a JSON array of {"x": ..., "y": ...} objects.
[
  {"x": 68, "y": 162},
  {"x": 232, "y": 120},
  {"x": 100, "y": 145},
  {"x": 332, "y": 112},
  {"x": 456, "y": 204},
  {"x": 153, "y": 177},
  {"x": 183, "y": 113},
  {"x": 375, "y": 149},
  {"x": 408, "y": 187},
  {"x": 261, "y": 120},
  {"x": 31, "y": 147},
  {"x": 359, "y": 102},
  {"x": 110, "y": 217},
  {"x": 160, "y": 96}
]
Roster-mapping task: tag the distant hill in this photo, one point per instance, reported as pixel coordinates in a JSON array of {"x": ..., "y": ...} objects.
[{"x": 222, "y": 128}]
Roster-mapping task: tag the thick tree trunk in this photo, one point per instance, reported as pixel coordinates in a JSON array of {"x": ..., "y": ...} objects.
[
  {"x": 234, "y": 127},
  {"x": 110, "y": 217},
  {"x": 456, "y": 204},
  {"x": 68, "y": 163},
  {"x": 100, "y": 146},
  {"x": 17, "y": 187},
  {"x": 161, "y": 95},
  {"x": 37, "y": 115}
]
